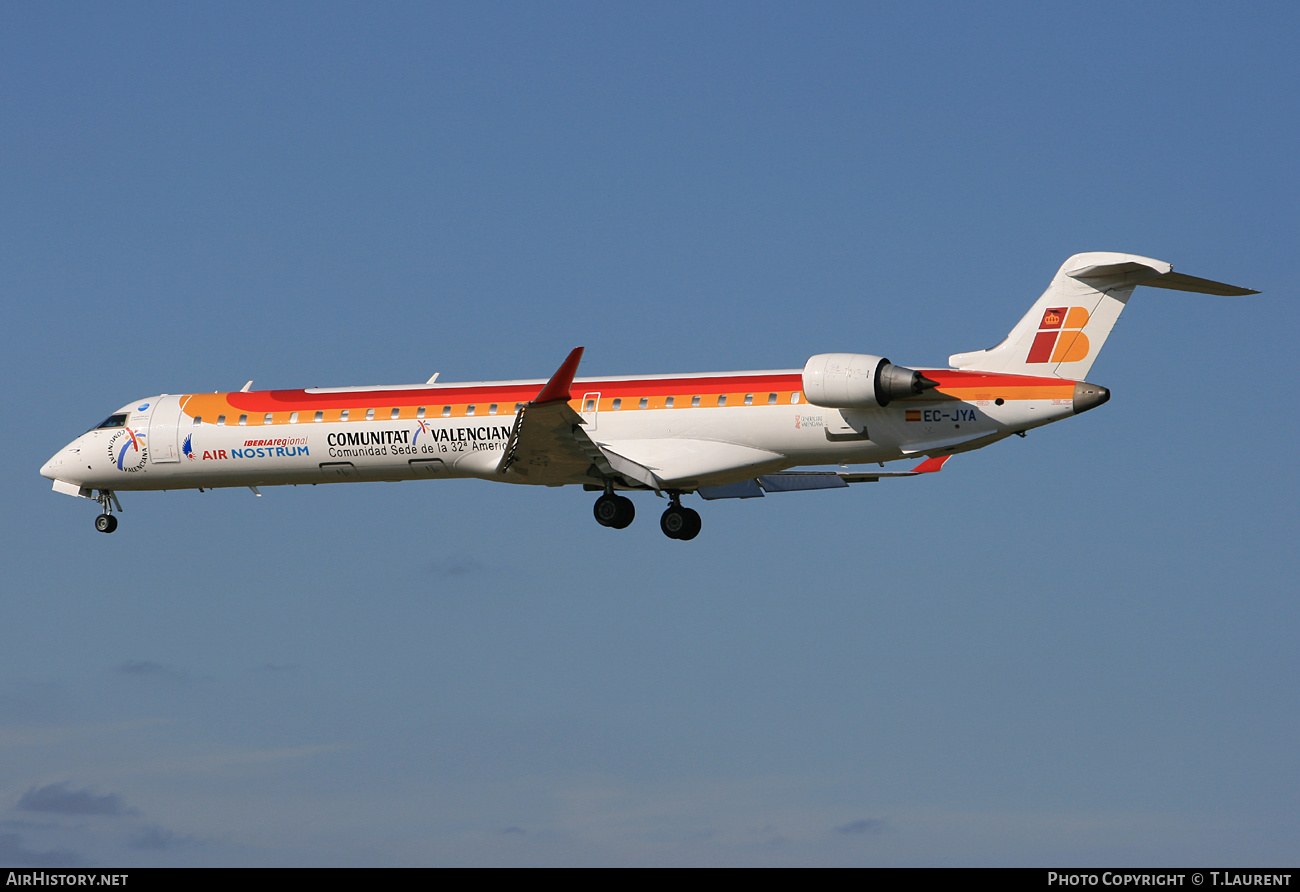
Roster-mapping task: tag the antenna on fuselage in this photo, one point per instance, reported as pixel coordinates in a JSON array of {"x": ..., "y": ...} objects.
[
  {"x": 244, "y": 389},
  {"x": 434, "y": 378}
]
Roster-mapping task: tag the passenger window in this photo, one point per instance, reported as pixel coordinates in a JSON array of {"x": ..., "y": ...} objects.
[
  {"x": 370, "y": 415},
  {"x": 722, "y": 400},
  {"x": 221, "y": 420},
  {"x": 771, "y": 399},
  {"x": 469, "y": 410},
  {"x": 293, "y": 417},
  {"x": 794, "y": 398},
  {"x": 492, "y": 409},
  {"x": 268, "y": 419},
  {"x": 644, "y": 402},
  {"x": 668, "y": 403},
  {"x": 243, "y": 420},
  {"x": 198, "y": 419},
  {"x": 518, "y": 406},
  {"x": 320, "y": 416},
  {"x": 396, "y": 413},
  {"x": 343, "y": 416},
  {"x": 695, "y": 401},
  {"x": 446, "y": 410},
  {"x": 590, "y": 407},
  {"x": 749, "y": 399},
  {"x": 419, "y": 413},
  {"x": 618, "y": 404}
]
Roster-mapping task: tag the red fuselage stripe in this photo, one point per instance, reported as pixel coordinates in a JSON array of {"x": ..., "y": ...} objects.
[{"x": 290, "y": 400}]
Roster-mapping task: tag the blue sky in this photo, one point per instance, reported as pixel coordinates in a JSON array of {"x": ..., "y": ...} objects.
[{"x": 1072, "y": 649}]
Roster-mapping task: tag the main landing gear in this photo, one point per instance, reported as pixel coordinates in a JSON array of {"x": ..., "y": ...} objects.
[
  {"x": 106, "y": 522},
  {"x": 614, "y": 511},
  {"x": 680, "y": 523},
  {"x": 618, "y": 511}
]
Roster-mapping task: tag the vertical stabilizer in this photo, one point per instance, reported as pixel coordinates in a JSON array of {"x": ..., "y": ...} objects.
[{"x": 1065, "y": 330}]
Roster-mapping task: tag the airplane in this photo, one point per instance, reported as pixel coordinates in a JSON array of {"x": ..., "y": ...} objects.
[{"x": 718, "y": 435}]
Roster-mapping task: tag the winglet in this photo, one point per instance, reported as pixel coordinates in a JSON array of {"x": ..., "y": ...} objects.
[
  {"x": 931, "y": 465},
  {"x": 557, "y": 389}
]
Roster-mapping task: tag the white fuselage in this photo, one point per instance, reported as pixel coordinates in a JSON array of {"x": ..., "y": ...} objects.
[{"x": 266, "y": 438}]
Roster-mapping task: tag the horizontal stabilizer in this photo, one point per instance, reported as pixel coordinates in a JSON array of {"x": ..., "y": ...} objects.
[{"x": 1181, "y": 282}]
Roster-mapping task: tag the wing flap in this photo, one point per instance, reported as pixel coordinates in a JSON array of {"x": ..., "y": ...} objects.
[
  {"x": 686, "y": 464},
  {"x": 800, "y": 481}
]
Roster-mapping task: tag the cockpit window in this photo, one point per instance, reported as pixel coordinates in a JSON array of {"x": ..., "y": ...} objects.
[{"x": 112, "y": 421}]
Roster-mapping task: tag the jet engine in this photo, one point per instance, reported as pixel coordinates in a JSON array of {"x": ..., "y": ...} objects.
[{"x": 859, "y": 381}]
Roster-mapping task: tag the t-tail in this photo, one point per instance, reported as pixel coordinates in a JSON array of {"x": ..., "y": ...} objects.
[{"x": 1065, "y": 330}]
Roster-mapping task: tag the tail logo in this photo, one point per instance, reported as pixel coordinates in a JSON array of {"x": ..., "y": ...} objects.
[{"x": 1060, "y": 336}]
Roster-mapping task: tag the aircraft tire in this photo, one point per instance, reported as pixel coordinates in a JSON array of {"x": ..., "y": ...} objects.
[
  {"x": 693, "y": 524},
  {"x": 627, "y": 513},
  {"x": 680, "y": 523},
  {"x": 106, "y": 523},
  {"x": 614, "y": 511}
]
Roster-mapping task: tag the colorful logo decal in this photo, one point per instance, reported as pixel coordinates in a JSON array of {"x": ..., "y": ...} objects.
[
  {"x": 128, "y": 451},
  {"x": 422, "y": 429},
  {"x": 1060, "y": 336},
  {"x": 187, "y": 448},
  {"x": 142, "y": 407}
]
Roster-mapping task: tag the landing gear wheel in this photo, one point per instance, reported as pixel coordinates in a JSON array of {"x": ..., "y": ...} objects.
[
  {"x": 614, "y": 511},
  {"x": 106, "y": 523},
  {"x": 680, "y": 523}
]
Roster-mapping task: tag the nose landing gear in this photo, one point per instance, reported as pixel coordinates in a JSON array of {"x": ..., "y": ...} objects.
[{"x": 106, "y": 522}]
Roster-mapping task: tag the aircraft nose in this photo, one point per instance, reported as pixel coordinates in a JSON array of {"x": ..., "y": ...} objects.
[{"x": 62, "y": 464}]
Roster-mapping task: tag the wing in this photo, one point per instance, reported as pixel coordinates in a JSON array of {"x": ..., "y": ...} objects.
[
  {"x": 796, "y": 481},
  {"x": 686, "y": 464},
  {"x": 547, "y": 443}
]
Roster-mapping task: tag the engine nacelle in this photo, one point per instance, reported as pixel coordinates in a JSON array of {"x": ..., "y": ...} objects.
[{"x": 859, "y": 381}]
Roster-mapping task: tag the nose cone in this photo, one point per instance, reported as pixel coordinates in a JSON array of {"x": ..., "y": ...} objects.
[
  {"x": 1089, "y": 396},
  {"x": 65, "y": 464}
]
